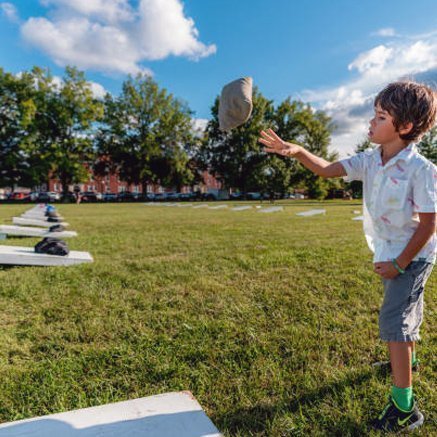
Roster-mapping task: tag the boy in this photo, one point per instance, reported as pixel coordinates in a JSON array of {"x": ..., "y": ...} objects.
[{"x": 400, "y": 216}]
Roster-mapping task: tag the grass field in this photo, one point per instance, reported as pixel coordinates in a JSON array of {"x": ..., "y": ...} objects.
[{"x": 269, "y": 319}]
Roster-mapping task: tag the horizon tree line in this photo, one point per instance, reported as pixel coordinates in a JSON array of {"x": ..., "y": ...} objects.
[{"x": 52, "y": 128}]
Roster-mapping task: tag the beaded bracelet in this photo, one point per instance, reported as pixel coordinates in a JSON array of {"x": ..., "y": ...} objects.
[{"x": 397, "y": 267}]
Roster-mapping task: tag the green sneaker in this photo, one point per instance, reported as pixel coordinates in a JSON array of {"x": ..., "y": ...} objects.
[
  {"x": 384, "y": 367},
  {"x": 393, "y": 419}
]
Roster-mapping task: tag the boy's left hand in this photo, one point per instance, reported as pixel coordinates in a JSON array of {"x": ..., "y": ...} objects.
[{"x": 385, "y": 269}]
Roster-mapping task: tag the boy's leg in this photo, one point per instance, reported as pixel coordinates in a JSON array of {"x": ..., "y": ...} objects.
[{"x": 400, "y": 358}]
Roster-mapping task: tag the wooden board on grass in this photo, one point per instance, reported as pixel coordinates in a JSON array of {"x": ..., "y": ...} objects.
[{"x": 166, "y": 415}]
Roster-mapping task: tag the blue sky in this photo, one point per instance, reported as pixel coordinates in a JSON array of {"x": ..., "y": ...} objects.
[{"x": 334, "y": 54}]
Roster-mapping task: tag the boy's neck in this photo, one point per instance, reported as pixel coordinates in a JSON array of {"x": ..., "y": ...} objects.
[{"x": 389, "y": 150}]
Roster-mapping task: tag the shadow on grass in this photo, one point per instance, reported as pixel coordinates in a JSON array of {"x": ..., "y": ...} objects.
[{"x": 255, "y": 420}]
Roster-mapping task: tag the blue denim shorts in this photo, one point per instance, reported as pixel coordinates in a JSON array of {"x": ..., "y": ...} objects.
[{"x": 401, "y": 313}]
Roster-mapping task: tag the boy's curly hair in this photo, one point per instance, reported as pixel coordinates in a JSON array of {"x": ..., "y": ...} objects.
[{"x": 409, "y": 102}]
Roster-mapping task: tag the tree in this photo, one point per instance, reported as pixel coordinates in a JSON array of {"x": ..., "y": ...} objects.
[
  {"x": 17, "y": 112},
  {"x": 146, "y": 134},
  {"x": 428, "y": 145},
  {"x": 298, "y": 123},
  {"x": 238, "y": 159},
  {"x": 357, "y": 186},
  {"x": 64, "y": 126}
]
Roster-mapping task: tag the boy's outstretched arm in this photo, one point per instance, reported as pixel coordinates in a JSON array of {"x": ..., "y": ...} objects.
[{"x": 323, "y": 168}]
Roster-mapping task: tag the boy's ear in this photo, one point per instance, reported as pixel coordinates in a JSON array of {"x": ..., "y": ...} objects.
[{"x": 406, "y": 128}]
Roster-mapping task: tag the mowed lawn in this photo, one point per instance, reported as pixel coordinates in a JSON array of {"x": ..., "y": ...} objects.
[{"x": 270, "y": 320}]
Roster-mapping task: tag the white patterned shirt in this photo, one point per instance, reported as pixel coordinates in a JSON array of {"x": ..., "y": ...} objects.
[{"x": 393, "y": 195}]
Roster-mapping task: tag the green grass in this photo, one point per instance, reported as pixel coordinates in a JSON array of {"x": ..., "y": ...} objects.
[{"x": 269, "y": 319}]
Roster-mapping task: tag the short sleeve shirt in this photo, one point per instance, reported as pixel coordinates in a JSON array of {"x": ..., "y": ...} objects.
[{"x": 393, "y": 195}]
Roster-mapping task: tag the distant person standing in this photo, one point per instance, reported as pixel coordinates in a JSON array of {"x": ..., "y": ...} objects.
[{"x": 77, "y": 194}]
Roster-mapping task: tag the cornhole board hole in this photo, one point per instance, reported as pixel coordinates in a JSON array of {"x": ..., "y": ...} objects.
[
  {"x": 360, "y": 218},
  {"x": 201, "y": 206},
  {"x": 35, "y": 222},
  {"x": 218, "y": 207},
  {"x": 272, "y": 209},
  {"x": 26, "y": 256},
  {"x": 311, "y": 212},
  {"x": 166, "y": 415},
  {"x": 23, "y": 231},
  {"x": 241, "y": 208}
]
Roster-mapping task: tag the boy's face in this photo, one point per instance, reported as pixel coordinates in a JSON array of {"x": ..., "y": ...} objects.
[{"x": 382, "y": 130}]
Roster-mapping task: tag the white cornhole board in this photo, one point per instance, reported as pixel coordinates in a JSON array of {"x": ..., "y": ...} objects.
[
  {"x": 311, "y": 212},
  {"x": 36, "y": 215},
  {"x": 23, "y": 231},
  {"x": 201, "y": 206},
  {"x": 26, "y": 256},
  {"x": 218, "y": 207},
  {"x": 359, "y": 218},
  {"x": 356, "y": 211},
  {"x": 272, "y": 209},
  {"x": 241, "y": 208},
  {"x": 185, "y": 205},
  {"x": 34, "y": 222},
  {"x": 166, "y": 415}
]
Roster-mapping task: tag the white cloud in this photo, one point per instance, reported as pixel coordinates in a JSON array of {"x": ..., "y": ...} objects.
[
  {"x": 9, "y": 11},
  {"x": 199, "y": 125},
  {"x": 386, "y": 32},
  {"x": 372, "y": 61},
  {"x": 98, "y": 90},
  {"x": 351, "y": 104},
  {"x": 110, "y": 36},
  {"x": 106, "y": 10}
]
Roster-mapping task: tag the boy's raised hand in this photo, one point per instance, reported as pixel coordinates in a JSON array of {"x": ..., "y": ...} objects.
[{"x": 277, "y": 145}]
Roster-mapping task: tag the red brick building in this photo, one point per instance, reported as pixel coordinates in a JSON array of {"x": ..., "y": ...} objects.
[{"x": 112, "y": 184}]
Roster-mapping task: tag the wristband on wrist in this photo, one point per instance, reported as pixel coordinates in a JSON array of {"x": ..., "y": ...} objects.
[{"x": 397, "y": 267}]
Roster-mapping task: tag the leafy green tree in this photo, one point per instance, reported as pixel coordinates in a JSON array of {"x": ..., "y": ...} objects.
[
  {"x": 357, "y": 186},
  {"x": 428, "y": 145},
  {"x": 64, "y": 126},
  {"x": 146, "y": 135},
  {"x": 297, "y": 122},
  {"x": 17, "y": 112}
]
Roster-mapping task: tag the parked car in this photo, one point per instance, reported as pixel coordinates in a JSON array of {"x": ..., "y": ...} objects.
[
  {"x": 54, "y": 196},
  {"x": 127, "y": 196},
  {"x": 173, "y": 196},
  {"x": 18, "y": 195},
  {"x": 188, "y": 196},
  {"x": 47, "y": 196},
  {"x": 88, "y": 196},
  {"x": 149, "y": 197},
  {"x": 159, "y": 197},
  {"x": 236, "y": 196},
  {"x": 68, "y": 197},
  {"x": 110, "y": 197},
  {"x": 254, "y": 196}
]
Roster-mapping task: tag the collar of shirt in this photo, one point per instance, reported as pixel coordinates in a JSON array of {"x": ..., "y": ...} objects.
[{"x": 404, "y": 155}]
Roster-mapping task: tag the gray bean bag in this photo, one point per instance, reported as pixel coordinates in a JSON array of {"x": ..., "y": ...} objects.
[{"x": 235, "y": 103}]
